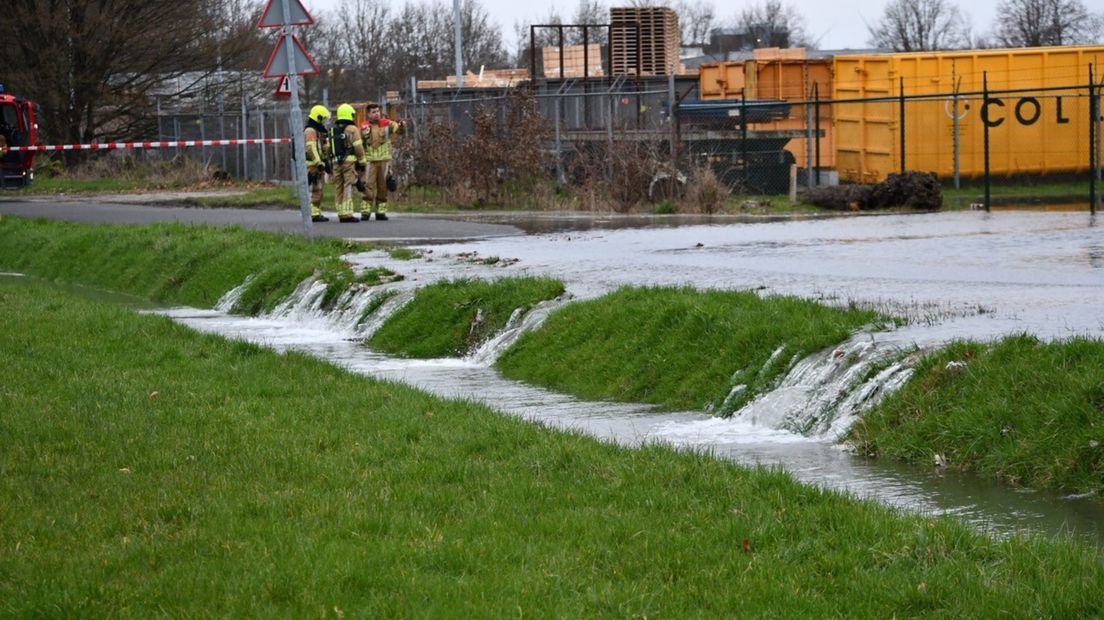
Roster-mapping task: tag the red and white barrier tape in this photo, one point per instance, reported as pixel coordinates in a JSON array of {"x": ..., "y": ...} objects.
[{"x": 110, "y": 146}]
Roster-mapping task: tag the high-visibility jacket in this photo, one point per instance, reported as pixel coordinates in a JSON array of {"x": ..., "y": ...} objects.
[
  {"x": 315, "y": 138},
  {"x": 377, "y": 139}
]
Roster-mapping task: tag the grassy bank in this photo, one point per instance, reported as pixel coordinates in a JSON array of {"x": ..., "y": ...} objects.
[
  {"x": 174, "y": 263},
  {"x": 1018, "y": 410},
  {"x": 1005, "y": 193},
  {"x": 676, "y": 347},
  {"x": 449, "y": 319},
  {"x": 192, "y": 476}
]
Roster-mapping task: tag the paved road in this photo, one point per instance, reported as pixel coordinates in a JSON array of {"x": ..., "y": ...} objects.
[{"x": 401, "y": 227}]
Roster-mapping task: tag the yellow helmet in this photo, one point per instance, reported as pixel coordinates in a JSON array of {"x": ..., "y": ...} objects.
[
  {"x": 346, "y": 112},
  {"x": 319, "y": 113}
]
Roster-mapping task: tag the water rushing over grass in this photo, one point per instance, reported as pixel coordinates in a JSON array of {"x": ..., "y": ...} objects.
[
  {"x": 676, "y": 347},
  {"x": 451, "y": 318},
  {"x": 1019, "y": 410},
  {"x": 148, "y": 470}
]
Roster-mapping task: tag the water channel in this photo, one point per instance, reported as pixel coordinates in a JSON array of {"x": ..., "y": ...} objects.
[{"x": 953, "y": 275}]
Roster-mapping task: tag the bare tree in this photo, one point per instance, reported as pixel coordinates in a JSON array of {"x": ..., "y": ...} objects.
[
  {"x": 920, "y": 25},
  {"x": 589, "y": 12},
  {"x": 482, "y": 37},
  {"x": 773, "y": 24},
  {"x": 1035, "y": 23},
  {"x": 363, "y": 46},
  {"x": 696, "y": 19},
  {"x": 542, "y": 37},
  {"x": 94, "y": 66},
  {"x": 421, "y": 41}
]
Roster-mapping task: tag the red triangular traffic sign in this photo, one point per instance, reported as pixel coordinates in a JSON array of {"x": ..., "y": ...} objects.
[
  {"x": 278, "y": 63},
  {"x": 273, "y": 14},
  {"x": 283, "y": 88}
]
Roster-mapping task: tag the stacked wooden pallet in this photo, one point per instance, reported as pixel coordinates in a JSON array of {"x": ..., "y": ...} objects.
[
  {"x": 644, "y": 40},
  {"x": 576, "y": 60}
]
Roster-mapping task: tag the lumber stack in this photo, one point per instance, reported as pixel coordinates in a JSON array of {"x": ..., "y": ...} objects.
[
  {"x": 486, "y": 78},
  {"x": 573, "y": 60},
  {"x": 644, "y": 40},
  {"x": 778, "y": 53}
]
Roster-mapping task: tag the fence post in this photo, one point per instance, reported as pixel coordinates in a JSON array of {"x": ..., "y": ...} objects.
[
  {"x": 264, "y": 149},
  {"x": 559, "y": 143},
  {"x": 244, "y": 130},
  {"x": 609, "y": 129},
  {"x": 954, "y": 121},
  {"x": 176, "y": 132},
  {"x": 816, "y": 98},
  {"x": 1099, "y": 145},
  {"x": 671, "y": 115},
  {"x": 808, "y": 144},
  {"x": 743, "y": 137},
  {"x": 1093, "y": 151},
  {"x": 985, "y": 131},
  {"x": 901, "y": 128},
  {"x": 222, "y": 128}
]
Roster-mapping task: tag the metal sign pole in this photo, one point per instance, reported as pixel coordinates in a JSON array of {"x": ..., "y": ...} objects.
[{"x": 298, "y": 149}]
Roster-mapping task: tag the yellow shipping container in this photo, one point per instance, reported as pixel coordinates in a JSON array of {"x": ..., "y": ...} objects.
[
  {"x": 1037, "y": 131},
  {"x": 781, "y": 78}
]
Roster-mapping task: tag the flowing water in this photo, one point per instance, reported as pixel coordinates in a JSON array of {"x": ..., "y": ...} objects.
[{"x": 953, "y": 275}]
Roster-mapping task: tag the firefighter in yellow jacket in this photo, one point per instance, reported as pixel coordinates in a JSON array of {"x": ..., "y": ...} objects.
[
  {"x": 376, "y": 134},
  {"x": 318, "y": 154},
  {"x": 348, "y": 160}
]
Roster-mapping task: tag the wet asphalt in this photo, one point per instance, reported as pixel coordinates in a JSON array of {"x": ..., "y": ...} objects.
[{"x": 400, "y": 228}]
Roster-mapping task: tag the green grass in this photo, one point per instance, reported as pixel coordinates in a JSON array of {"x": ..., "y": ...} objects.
[
  {"x": 1020, "y": 411},
  {"x": 1004, "y": 192},
  {"x": 60, "y": 185},
  {"x": 675, "y": 347},
  {"x": 404, "y": 253},
  {"x": 273, "y": 197},
  {"x": 193, "y": 265},
  {"x": 147, "y": 470},
  {"x": 449, "y": 319}
]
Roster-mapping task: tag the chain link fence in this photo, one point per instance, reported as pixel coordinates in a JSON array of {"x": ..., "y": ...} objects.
[
  {"x": 267, "y": 162},
  {"x": 622, "y": 133}
]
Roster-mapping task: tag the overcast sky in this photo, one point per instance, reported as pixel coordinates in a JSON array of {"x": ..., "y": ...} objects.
[{"x": 836, "y": 24}]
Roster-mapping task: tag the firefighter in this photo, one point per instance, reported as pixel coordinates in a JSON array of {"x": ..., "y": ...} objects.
[
  {"x": 376, "y": 134},
  {"x": 348, "y": 159},
  {"x": 3, "y": 146},
  {"x": 317, "y": 158}
]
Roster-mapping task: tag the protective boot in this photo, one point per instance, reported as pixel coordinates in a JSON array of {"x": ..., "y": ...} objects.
[{"x": 345, "y": 212}]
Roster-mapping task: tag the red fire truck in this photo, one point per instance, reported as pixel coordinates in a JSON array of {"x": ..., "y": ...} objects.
[{"x": 19, "y": 128}]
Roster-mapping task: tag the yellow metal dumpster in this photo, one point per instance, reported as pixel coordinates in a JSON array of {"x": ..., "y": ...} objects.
[
  {"x": 779, "y": 77},
  {"x": 1042, "y": 128}
]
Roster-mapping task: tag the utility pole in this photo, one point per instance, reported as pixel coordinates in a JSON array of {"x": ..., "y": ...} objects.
[{"x": 457, "y": 42}]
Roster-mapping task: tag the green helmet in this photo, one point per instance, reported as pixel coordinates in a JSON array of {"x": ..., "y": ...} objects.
[
  {"x": 346, "y": 112},
  {"x": 319, "y": 113}
]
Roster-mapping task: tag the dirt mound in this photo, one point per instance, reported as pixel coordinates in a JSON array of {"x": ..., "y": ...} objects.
[{"x": 912, "y": 190}]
